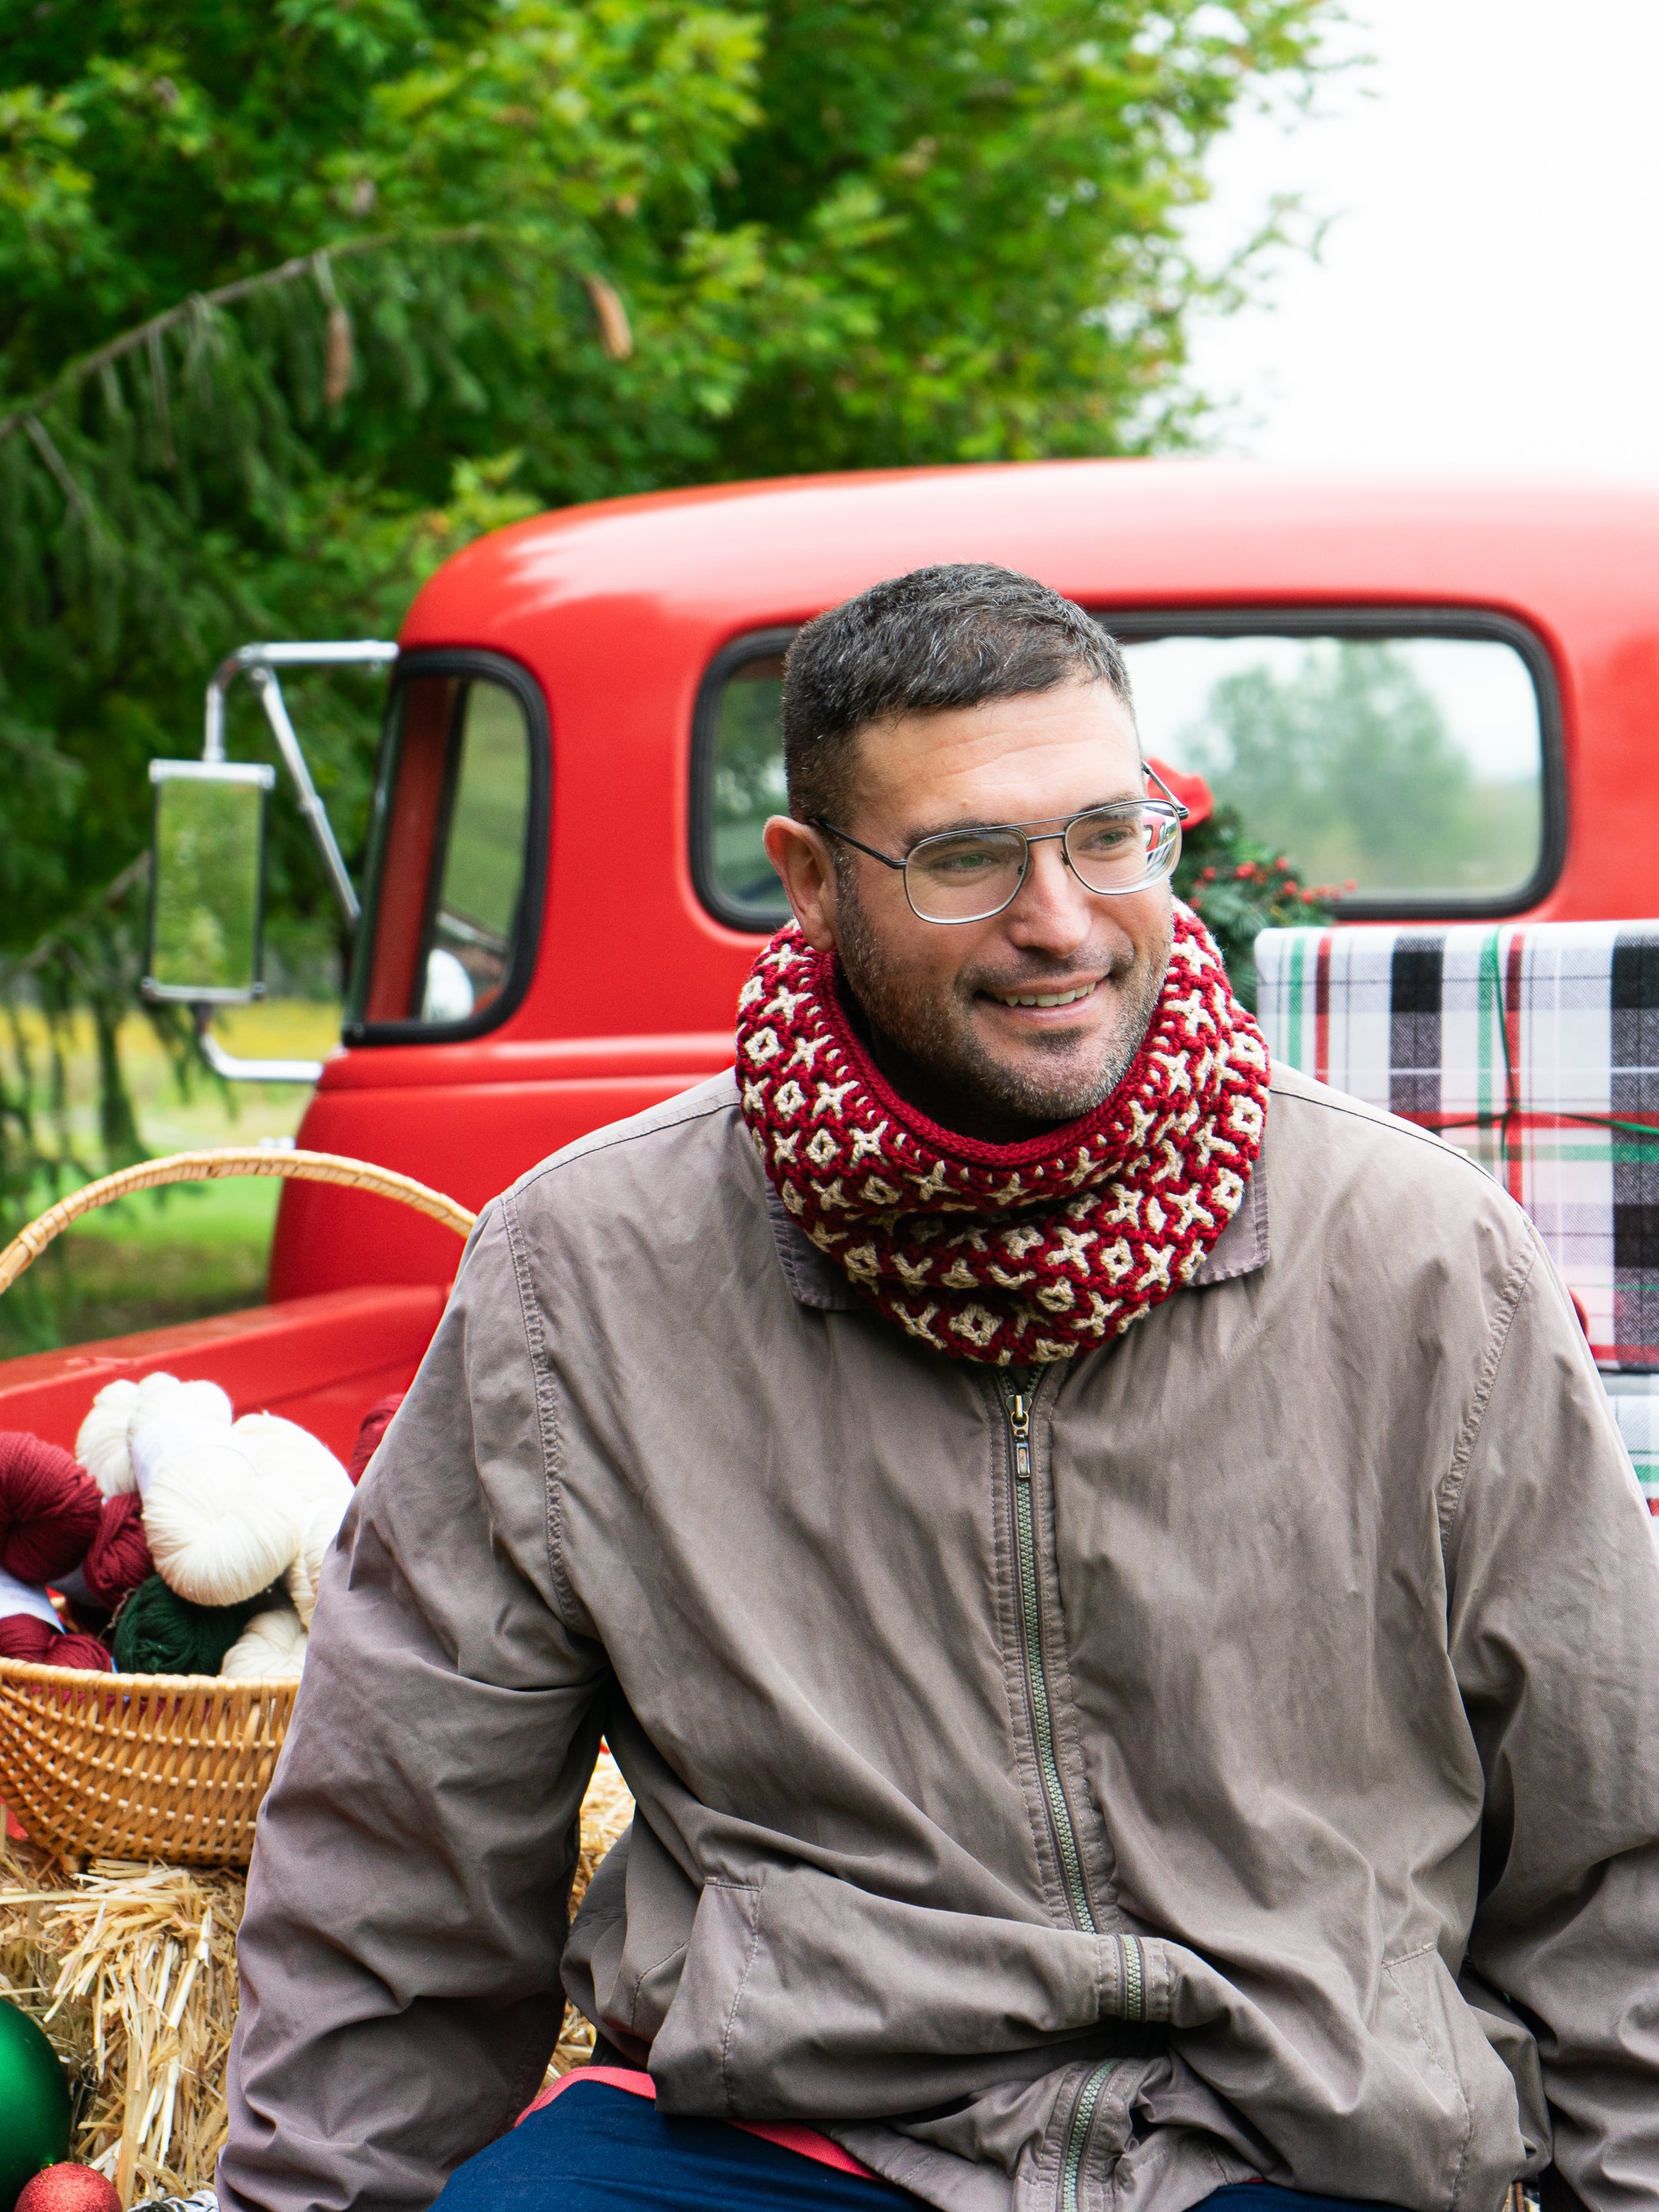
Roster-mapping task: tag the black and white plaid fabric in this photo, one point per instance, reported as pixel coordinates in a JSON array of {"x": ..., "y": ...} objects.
[{"x": 1534, "y": 1048}]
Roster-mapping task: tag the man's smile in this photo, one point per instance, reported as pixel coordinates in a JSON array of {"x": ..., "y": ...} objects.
[{"x": 1042, "y": 998}]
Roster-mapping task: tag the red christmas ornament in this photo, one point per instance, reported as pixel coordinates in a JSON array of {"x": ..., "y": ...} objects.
[{"x": 69, "y": 2189}]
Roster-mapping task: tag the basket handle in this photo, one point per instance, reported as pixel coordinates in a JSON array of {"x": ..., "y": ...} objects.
[{"x": 26, "y": 1248}]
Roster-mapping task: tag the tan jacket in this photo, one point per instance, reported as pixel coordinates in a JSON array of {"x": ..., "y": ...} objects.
[{"x": 1268, "y": 1784}]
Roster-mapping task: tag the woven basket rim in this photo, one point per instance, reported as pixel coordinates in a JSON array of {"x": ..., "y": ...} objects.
[{"x": 31, "y": 1670}]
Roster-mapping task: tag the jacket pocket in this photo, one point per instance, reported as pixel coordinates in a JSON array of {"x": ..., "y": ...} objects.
[
  {"x": 691, "y": 2057},
  {"x": 1462, "y": 2079},
  {"x": 802, "y": 1994}
]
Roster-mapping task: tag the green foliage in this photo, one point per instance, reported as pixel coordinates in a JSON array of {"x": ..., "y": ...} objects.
[
  {"x": 989, "y": 193},
  {"x": 379, "y": 258},
  {"x": 90, "y": 964},
  {"x": 1240, "y": 886}
]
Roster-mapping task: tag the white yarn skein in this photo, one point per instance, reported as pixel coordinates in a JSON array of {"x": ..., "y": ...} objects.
[
  {"x": 272, "y": 1645},
  {"x": 293, "y": 1459},
  {"x": 100, "y": 1443},
  {"x": 302, "y": 1578},
  {"x": 217, "y": 1533},
  {"x": 104, "y": 1443},
  {"x": 193, "y": 1401}
]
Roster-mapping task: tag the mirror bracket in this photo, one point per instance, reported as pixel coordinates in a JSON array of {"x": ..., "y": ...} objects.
[
  {"x": 234, "y": 1069},
  {"x": 259, "y": 664}
]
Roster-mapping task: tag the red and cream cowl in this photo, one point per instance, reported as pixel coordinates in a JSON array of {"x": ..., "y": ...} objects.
[{"x": 1015, "y": 1254}]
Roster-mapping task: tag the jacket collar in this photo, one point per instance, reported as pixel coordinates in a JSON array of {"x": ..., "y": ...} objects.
[{"x": 816, "y": 1280}]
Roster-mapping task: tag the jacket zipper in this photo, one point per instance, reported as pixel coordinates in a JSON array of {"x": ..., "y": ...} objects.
[
  {"x": 1077, "y": 2136},
  {"x": 1017, "y": 1398}
]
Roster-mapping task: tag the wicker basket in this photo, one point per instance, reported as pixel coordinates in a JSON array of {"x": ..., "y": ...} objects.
[{"x": 157, "y": 1766}]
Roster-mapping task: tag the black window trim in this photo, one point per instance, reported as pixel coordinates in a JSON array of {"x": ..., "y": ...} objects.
[
  {"x": 513, "y": 676},
  {"x": 1143, "y": 625}
]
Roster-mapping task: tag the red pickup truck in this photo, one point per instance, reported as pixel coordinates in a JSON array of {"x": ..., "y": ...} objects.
[{"x": 1439, "y": 694}]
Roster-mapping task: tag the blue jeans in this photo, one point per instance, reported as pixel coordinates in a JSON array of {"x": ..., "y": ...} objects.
[{"x": 599, "y": 2149}]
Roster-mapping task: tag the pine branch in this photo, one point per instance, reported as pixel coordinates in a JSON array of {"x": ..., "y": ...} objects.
[
  {"x": 56, "y": 942},
  {"x": 148, "y": 335}
]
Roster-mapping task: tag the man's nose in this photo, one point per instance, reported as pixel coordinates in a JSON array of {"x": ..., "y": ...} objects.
[{"x": 1051, "y": 911}]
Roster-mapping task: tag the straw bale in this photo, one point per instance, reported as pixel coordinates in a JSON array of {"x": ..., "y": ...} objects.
[{"x": 131, "y": 1971}]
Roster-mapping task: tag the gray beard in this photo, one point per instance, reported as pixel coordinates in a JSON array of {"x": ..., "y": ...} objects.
[{"x": 929, "y": 1053}]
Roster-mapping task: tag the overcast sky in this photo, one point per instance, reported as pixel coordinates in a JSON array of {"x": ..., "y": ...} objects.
[{"x": 1488, "y": 292}]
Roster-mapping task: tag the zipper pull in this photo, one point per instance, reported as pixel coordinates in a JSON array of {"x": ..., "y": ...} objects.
[{"x": 1019, "y": 1423}]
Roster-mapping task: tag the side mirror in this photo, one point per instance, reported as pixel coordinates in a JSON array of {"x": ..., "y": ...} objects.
[{"x": 207, "y": 881}]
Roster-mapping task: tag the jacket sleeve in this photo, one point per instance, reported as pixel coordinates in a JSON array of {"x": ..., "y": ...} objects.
[
  {"x": 1554, "y": 1624},
  {"x": 408, "y": 1897}
]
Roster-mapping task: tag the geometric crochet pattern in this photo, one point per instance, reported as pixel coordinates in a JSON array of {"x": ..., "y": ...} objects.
[{"x": 1012, "y": 1254}]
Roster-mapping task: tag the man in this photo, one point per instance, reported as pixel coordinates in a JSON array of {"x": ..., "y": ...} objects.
[{"x": 1113, "y": 1583}]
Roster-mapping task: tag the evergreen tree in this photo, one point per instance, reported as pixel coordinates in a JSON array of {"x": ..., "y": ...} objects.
[{"x": 296, "y": 295}]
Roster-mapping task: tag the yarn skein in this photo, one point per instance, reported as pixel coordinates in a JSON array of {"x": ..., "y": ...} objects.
[
  {"x": 120, "y": 1558},
  {"x": 49, "y": 1508},
  {"x": 22, "y": 1636},
  {"x": 290, "y": 1458},
  {"x": 271, "y": 1648},
  {"x": 100, "y": 1443},
  {"x": 159, "y": 1632},
  {"x": 376, "y": 1421},
  {"x": 104, "y": 1443},
  {"x": 217, "y": 1533},
  {"x": 303, "y": 1577}
]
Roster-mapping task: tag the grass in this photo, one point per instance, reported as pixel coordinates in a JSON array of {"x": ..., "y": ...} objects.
[{"x": 189, "y": 1251}]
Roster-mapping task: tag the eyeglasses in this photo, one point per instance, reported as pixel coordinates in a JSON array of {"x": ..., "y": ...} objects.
[{"x": 968, "y": 875}]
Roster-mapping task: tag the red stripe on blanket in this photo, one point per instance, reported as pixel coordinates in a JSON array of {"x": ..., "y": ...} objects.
[
  {"x": 1532, "y": 1120},
  {"x": 806, "y": 2142},
  {"x": 1512, "y": 1171},
  {"x": 1322, "y": 1010}
]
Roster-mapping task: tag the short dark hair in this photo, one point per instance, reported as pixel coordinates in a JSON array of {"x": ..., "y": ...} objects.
[{"x": 937, "y": 638}]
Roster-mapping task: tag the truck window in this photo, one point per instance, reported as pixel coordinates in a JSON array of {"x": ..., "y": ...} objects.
[
  {"x": 1407, "y": 759},
  {"x": 743, "y": 783},
  {"x": 1411, "y": 767},
  {"x": 450, "y": 860}
]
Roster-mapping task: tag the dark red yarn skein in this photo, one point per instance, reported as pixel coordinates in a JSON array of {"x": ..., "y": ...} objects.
[
  {"x": 49, "y": 1509},
  {"x": 376, "y": 1421},
  {"x": 120, "y": 1558},
  {"x": 22, "y": 1636}
]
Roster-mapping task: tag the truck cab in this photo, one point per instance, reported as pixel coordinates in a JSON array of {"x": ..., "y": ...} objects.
[{"x": 1438, "y": 696}]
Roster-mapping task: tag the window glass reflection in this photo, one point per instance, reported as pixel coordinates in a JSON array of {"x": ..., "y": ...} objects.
[
  {"x": 451, "y": 855},
  {"x": 1404, "y": 765}
]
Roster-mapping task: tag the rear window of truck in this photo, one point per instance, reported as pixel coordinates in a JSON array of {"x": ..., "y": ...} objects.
[{"x": 1411, "y": 757}]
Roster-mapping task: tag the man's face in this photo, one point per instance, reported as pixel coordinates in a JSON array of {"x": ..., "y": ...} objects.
[{"x": 1003, "y": 1027}]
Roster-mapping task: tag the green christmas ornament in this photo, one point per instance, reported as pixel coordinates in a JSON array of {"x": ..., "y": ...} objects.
[{"x": 34, "y": 2104}]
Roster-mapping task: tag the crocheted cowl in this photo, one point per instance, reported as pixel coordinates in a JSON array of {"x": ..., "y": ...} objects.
[{"x": 1015, "y": 1254}]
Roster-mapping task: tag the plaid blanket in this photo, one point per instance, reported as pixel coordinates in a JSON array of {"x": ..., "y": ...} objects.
[
  {"x": 1533, "y": 1047},
  {"x": 1635, "y": 1402}
]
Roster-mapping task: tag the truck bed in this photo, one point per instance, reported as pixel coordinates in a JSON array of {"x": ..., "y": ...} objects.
[{"x": 320, "y": 1361}]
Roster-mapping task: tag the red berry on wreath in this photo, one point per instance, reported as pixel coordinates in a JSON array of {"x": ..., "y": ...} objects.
[{"x": 69, "y": 2189}]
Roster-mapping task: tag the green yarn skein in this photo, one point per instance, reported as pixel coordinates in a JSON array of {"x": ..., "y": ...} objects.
[{"x": 159, "y": 1632}]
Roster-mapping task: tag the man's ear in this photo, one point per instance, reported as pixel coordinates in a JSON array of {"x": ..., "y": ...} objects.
[{"x": 807, "y": 872}]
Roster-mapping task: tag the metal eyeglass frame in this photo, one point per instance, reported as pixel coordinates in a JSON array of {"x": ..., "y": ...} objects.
[{"x": 1049, "y": 836}]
